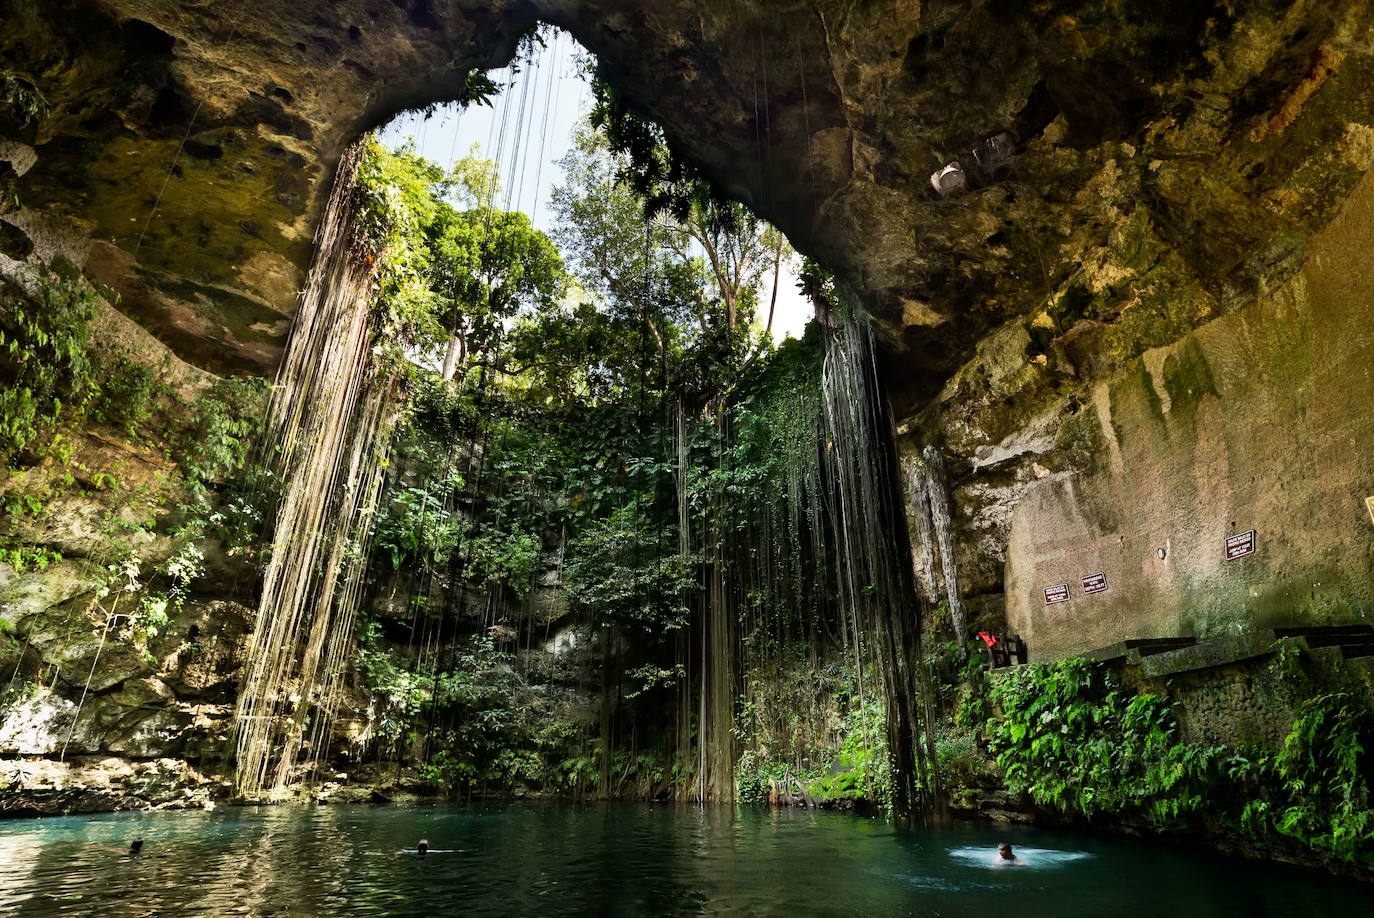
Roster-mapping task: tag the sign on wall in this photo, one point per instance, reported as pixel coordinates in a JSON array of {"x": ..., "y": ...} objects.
[
  {"x": 1238, "y": 546},
  {"x": 1095, "y": 583},
  {"x": 1057, "y": 593}
]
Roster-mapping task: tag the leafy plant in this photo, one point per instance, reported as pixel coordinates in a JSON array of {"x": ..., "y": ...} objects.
[
  {"x": 43, "y": 356},
  {"x": 418, "y": 526},
  {"x": 1071, "y": 739},
  {"x": 619, "y": 571},
  {"x": 506, "y": 558},
  {"x": 125, "y": 393},
  {"x": 1318, "y": 786},
  {"x": 27, "y": 559}
]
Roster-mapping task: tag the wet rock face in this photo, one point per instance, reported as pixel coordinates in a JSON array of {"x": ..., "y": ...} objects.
[
  {"x": 1248, "y": 423},
  {"x": 1128, "y": 168},
  {"x": 95, "y": 784},
  {"x": 94, "y": 686}
]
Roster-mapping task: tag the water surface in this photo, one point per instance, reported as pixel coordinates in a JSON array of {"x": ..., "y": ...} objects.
[{"x": 551, "y": 859}]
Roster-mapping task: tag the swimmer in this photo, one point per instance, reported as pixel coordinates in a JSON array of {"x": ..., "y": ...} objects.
[
  {"x": 134, "y": 850},
  {"x": 1007, "y": 857},
  {"x": 422, "y": 848}
]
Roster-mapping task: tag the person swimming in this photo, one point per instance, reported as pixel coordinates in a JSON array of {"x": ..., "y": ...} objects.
[
  {"x": 135, "y": 846},
  {"x": 1005, "y": 853},
  {"x": 422, "y": 848}
]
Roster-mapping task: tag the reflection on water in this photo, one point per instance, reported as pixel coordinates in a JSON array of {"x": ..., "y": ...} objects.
[{"x": 616, "y": 860}]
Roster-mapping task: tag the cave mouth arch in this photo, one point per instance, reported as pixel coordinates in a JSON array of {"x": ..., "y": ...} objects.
[
  {"x": 198, "y": 145},
  {"x": 860, "y": 442},
  {"x": 525, "y": 119}
]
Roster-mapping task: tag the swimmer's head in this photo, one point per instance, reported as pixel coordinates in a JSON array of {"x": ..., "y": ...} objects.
[
  {"x": 423, "y": 846},
  {"x": 136, "y": 846},
  {"x": 1004, "y": 850}
]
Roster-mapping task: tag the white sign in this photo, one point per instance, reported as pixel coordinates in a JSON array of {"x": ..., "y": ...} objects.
[
  {"x": 1057, "y": 593},
  {"x": 1238, "y": 546}
]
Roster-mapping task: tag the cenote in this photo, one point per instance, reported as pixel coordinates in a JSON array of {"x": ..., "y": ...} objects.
[
  {"x": 623, "y": 441},
  {"x": 618, "y": 859}
]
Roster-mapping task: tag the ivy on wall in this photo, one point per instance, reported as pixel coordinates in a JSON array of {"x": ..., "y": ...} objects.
[{"x": 1070, "y": 738}]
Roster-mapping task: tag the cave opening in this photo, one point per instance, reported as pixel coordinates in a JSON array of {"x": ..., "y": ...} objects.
[{"x": 598, "y": 438}]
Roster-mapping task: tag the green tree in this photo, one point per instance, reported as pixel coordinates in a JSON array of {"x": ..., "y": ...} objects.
[
  {"x": 457, "y": 269},
  {"x": 691, "y": 276},
  {"x": 487, "y": 264}
]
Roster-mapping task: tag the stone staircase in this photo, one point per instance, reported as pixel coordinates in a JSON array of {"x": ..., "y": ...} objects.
[{"x": 1354, "y": 641}]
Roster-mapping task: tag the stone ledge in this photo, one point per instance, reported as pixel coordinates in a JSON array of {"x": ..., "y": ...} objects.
[{"x": 1210, "y": 654}]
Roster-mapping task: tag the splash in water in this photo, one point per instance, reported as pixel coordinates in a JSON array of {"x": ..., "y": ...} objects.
[{"x": 1040, "y": 858}]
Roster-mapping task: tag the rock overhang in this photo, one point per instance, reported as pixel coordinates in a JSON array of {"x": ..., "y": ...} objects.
[{"x": 1162, "y": 166}]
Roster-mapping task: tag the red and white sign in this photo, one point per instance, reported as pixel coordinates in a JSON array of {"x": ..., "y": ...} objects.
[
  {"x": 1057, "y": 593},
  {"x": 1095, "y": 583},
  {"x": 1238, "y": 546}
]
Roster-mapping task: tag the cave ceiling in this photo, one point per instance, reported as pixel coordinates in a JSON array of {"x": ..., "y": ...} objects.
[{"x": 1126, "y": 170}]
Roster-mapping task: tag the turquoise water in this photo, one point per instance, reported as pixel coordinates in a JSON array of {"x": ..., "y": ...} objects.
[{"x": 619, "y": 859}]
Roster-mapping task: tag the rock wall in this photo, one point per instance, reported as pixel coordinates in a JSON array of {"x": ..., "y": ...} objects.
[
  {"x": 110, "y": 694},
  {"x": 1253, "y": 421}
]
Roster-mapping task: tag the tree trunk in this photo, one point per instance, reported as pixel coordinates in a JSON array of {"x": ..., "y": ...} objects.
[{"x": 451, "y": 358}]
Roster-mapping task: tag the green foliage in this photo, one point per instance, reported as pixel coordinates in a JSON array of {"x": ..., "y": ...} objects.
[
  {"x": 223, "y": 426},
  {"x": 506, "y": 558},
  {"x": 647, "y": 164},
  {"x": 957, "y": 756},
  {"x": 417, "y": 525},
  {"x": 683, "y": 289},
  {"x": 59, "y": 380},
  {"x": 1072, "y": 740},
  {"x": 857, "y": 772},
  {"x": 446, "y": 274},
  {"x": 124, "y": 394},
  {"x": 560, "y": 416},
  {"x": 818, "y": 285},
  {"x": 157, "y": 609},
  {"x": 484, "y": 730},
  {"x": 862, "y": 769},
  {"x": 806, "y": 720},
  {"x": 1317, "y": 788},
  {"x": 400, "y": 694},
  {"x": 623, "y": 569},
  {"x": 53, "y": 376},
  {"x": 29, "y": 558},
  {"x": 755, "y": 774},
  {"x": 43, "y": 358}
]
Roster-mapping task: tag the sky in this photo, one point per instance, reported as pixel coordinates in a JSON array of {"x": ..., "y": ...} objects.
[{"x": 527, "y": 129}]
